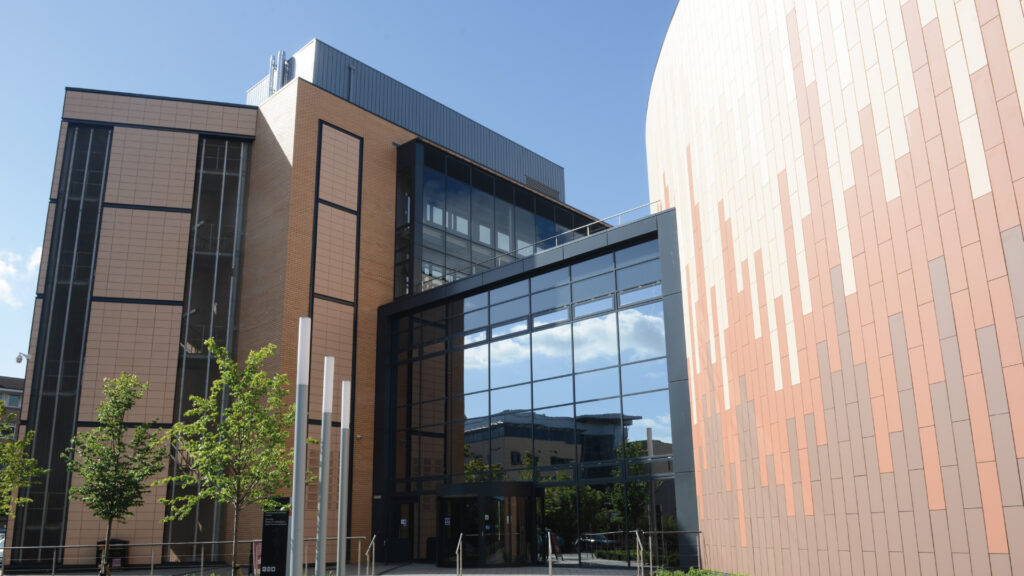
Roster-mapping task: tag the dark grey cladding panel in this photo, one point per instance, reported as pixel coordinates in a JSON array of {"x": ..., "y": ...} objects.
[
  {"x": 374, "y": 91},
  {"x": 576, "y": 249}
]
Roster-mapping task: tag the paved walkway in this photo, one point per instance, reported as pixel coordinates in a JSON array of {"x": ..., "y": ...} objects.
[{"x": 564, "y": 569}]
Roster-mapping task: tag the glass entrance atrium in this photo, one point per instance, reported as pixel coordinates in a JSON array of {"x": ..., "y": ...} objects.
[{"x": 559, "y": 380}]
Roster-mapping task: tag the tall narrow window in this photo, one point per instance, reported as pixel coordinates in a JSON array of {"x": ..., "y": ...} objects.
[{"x": 63, "y": 327}]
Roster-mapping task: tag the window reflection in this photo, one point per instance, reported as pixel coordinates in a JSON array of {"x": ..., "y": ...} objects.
[
  {"x": 474, "y": 369},
  {"x": 554, "y": 436},
  {"x": 510, "y": 361},
  {"x": 650, "y": 410},
  {"x": 599, "y": 384},
  {"x": 595, "y": 343},
  {"x": 638, "y": 253},
  {"x": 551, "y": 318},
  {"x": 644, "y": 376},
  {"x": 511, "y": 399},
  {"x": 599, "y": 428},
  {"x": 642, "y": 332},
  {"x": 550, "y": 352},
  {"x": 552, "y": 392}
]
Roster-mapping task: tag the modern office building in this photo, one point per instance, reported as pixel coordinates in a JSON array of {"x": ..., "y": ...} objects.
[
  {"x": 847, "y": 181},
  {"x": 503, "y": 346}
]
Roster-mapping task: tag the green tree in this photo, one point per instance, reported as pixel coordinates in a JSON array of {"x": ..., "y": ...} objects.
[
  {"x": 17, "y": 468},
  {"x": 114, "y": 462},
  {"x": 238, "y": 455}
]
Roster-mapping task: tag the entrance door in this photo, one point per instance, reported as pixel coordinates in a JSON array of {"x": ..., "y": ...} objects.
[
  {"x": 404, "y": 531},
  {"x": 461, "y": 516}
]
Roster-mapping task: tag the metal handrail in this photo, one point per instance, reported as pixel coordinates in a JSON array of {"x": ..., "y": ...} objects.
[
  {"x": 550, "y": 556},
  {"x": 527, "y": 251},
  {"x": 639, "y": 554},
  {"x": 371, "y": 556},
  {"x": 458, "y": 556}
]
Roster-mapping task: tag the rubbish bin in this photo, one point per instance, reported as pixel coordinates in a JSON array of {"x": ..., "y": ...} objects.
[{"x": 118, "y": 556}]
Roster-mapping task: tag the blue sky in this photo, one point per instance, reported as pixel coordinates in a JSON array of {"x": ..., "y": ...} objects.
[{"x": 568, "y": 80}]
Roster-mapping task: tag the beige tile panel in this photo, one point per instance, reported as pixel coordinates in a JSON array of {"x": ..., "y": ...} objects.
[
  {"x": 141, "y": 339},
  {"x": 261, "y": 294},
  {"x": 335, "y": 271},
  {"x": 142, "y": 254},
  {"x": 159, "y": 112},
  {"x": 339, "y": 168},
  {"x": 151, "y": 167}
]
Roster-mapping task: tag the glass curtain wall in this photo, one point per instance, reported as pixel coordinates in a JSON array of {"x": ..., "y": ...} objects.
[
  {"x": 210, "y": 295},
  {"x": 61, "y": 342},
  {"x": 454, "y": 220},
  {"x": 560, "y": 379}
]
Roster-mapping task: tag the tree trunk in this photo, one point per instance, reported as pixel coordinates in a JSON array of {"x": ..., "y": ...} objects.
[
  {"x": 235, "y": 571},
  {"x": 105, "y": 558}
]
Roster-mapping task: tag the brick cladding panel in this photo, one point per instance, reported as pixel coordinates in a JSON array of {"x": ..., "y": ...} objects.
[
  {"x": 849, "y": 185},
  {"x": 292, "y": 220}
]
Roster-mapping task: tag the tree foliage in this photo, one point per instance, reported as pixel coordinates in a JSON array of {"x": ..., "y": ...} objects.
[
  {"x": 115, "y": 461},
  {"x": 238, "y": 453},
  {"x": 17, "y": 468}
]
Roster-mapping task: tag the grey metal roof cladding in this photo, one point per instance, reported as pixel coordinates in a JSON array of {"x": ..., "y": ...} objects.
[{"x": 347, "y": 78}]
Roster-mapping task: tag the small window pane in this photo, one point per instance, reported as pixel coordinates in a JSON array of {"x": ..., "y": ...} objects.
[
  {"x": 639, "y": 295},
  {"x": 550, "y": 299},
  {"x": 599, "y": 430},
  {"x": 642, "y": 332},
  {"x": 644, "y": 376},
  {"x": 510, "y": 361},
  {"x": 473, "y": 370},
  {"x": 593, "y": 307},
  {"x": 483, "y": 216},
  {"x": 554, "y": 434},
  {"x": 552, "y": 392},
  {"x": 550, "y": 279},
  {"x": 638, "y": 253},
  {"x": 509, "y": 310},
  {"x": 510, "y": 328},
  {"x": 525, "y": 232},
  {"x": 475, "y": 337},
  {"x": 640, "y": 274},
  {"x": 509, "y": 292},
  {"x": 511, "y": 399},
  {"x": 471, "y": 406},
  {"x": 592, "y": 266},
  {"x": 551, "y": 318},
  {"x": 433, "y": 197},
  {"x": 549, "y": 352},
  {"x": 475, "y": 320},
  {"x": 645, "y": 411},
  {"x": 593, "y": 287},
  {"x": 600, "y": 384},
  {"x": 475, "y": 302},
  {"x": 595, "y": 343}
]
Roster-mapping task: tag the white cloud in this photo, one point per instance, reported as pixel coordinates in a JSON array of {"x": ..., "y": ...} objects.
[
  {"x": 33, "y": 260},
  {"x": 16, "y": 274}
]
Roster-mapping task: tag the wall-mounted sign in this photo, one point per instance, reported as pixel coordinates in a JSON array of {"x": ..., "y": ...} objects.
[{"x": 447, "y": 521}]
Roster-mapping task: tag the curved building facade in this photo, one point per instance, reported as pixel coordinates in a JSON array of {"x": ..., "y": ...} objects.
[{"x": 847, "y": 179}]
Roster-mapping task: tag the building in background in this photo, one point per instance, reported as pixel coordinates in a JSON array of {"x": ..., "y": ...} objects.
[
  {"x": 335, "y": 192},
  {"x": 11, "y": 391},
  {"x": 847, "y": 179}
]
